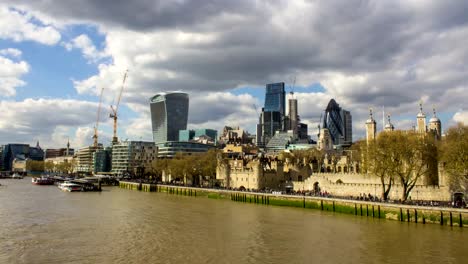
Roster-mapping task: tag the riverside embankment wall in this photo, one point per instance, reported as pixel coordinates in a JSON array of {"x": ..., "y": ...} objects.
[{"x": 406, "y": 213}]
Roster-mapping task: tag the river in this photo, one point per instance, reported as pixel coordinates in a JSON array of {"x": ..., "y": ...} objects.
[{"x": 41, "y": 224}]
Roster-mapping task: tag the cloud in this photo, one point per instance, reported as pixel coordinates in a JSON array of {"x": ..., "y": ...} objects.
[
  {"x": 11, "y": 72},
  {"x": 15, "y": 53},
  {"x": 31, "y": 119},
  {"x": 461, "y": 117},
  {"x": 19, "y": 26},
  {"x": 85, "y": 44},
  {"x": 364, "y": 53}
]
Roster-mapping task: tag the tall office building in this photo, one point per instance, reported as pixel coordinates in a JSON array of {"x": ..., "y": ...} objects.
[
  {"x": 275, "y": 98},
  {"x": 169, "y": 114},
  {"x": 273, "y": 117},
  {"x": 269, "y": 123},
  {"x": 339, "y": 124}
]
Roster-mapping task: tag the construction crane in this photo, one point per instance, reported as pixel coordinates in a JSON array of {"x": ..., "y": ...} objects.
[
  {"x": 96, "y": 127},
  {"x": 115, "y": 109},
  {"x": 292, "y": 87},
  {"x": 255, "y": 108}
]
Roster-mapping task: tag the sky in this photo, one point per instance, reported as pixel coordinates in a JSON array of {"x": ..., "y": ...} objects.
[{"x": 56, "y": 56}]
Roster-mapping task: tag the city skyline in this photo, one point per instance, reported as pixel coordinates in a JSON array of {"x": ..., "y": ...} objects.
[{"x": 391, "y": 54}]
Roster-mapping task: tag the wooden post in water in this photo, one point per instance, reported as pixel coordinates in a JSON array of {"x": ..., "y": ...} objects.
[
  {"x": 321, "y": 204},
  {"x": 441, "y": 218},
  {"x": 378, "y": 208},
  {"x": 367, "y": 210},
  {"x": 408, "y": 215},
  {"x": 333, "y": 206},
  {"x": 401, "y": 214},
  {"x": 460, "y": 220},
  {"x": 355, "y": 209},
  {"x": 373, "y": 212},
  {"x": 451, "y": 220},
  {"x": 415, "y": 216},
  {"x": 361, "y": 208}
]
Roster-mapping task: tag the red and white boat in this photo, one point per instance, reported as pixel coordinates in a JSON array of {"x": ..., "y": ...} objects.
[{"x": 42, "y": 181}]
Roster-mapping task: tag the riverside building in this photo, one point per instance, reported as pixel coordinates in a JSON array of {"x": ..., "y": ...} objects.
[
  {"x": 133, "y": 157},
  {"x": 85, "y": 159}
]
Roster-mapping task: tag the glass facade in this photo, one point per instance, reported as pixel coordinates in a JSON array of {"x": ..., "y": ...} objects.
[
  {"x": 270, "y": 122},
  {"x": 170, "y": 149},
  {"x": 22, "y": 151},
  {"x": 339, "y": 124},
  {"x": 206, "y": 132},
  {"x": 275, "y": 98},
  {"x": 186, "y": 135},
  {"x": 169, "y": 114}
]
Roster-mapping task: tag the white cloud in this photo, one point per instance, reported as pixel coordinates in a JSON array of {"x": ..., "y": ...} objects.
[
  {"x": 45, "y": 120},
  {"x": 11, "y": 72},
  {"x": 85, "y": 44},
  {"x": 19, "y": 26},
  {"x": 461, "y": 117},
  {"x": 11, "y": 52}
]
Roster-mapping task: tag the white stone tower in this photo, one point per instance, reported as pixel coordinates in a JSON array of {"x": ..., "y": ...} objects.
[
  {"x": 435, "y": 126},
  {"x": 389, "y": 126},
  {"x": 421, "y": 120},
  {"x": 371, "y": 127}
]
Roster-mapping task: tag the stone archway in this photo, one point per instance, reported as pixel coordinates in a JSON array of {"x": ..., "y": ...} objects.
[{"x": 316, "y": 188}]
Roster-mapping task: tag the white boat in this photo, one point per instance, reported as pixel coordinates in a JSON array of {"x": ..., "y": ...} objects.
[
  {"x": 70, "y": 187},
  {"x": 16, "y": 176}
]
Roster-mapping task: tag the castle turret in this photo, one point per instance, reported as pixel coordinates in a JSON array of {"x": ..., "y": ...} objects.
[
  {"x": 371, "y": 127},
  {"x": 435, "y": 126},
  {"x": 421, "y": 120},
  {"x": 389, "y": 126}
]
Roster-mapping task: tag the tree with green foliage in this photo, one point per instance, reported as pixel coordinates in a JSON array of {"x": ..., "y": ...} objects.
[
  {"x": 454, "y": 156},
  {"x": 49, "y": 166},
  {"x": 35, "y": 165}
]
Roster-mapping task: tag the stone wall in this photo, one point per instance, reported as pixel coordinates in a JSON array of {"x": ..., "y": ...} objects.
[
  {"x": 251, "y": 176},
  {"x": 353, "y": 184}
]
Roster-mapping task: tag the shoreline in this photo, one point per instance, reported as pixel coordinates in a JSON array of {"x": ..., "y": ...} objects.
[{"x": 452, "y": 217}]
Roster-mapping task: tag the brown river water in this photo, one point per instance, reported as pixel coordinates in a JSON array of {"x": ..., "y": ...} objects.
[{"x": 41, "y": 224}]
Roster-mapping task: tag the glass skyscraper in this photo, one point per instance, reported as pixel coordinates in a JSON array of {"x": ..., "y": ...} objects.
[
  {"x": 275, "y": 98},
  {"x": 339, "y": 123},
  {"x": 169, "y": 114}
]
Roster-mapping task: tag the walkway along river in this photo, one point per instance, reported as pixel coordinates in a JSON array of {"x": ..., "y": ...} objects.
[{"x": 403, "y": 213}]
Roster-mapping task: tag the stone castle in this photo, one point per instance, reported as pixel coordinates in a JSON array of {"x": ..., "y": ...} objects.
[{"x": 337, "y": 174}]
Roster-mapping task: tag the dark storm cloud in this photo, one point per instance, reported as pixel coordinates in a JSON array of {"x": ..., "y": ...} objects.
[{"x": 141, "y": 14}]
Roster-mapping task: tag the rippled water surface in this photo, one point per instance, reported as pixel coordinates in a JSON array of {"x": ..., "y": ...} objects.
[{"x": 41, "y": 224}]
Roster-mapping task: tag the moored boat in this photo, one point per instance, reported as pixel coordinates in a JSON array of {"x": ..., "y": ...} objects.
[
  {"x": 70, "y": 187},
  {"x": 42, "y": 181},
  {"x": 16, "y": 176}
]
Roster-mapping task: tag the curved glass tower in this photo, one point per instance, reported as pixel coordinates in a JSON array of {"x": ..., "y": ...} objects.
[
  {"x": 169, "y": 114},
  {"x": 339, "y": 123}
]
